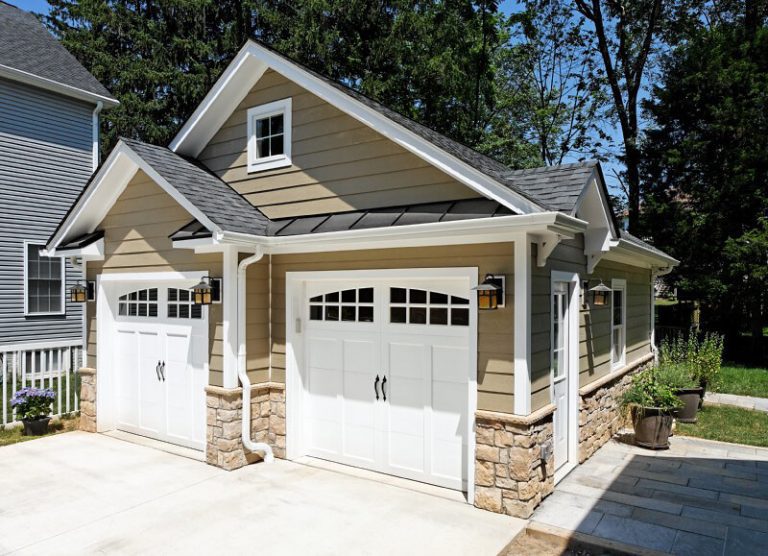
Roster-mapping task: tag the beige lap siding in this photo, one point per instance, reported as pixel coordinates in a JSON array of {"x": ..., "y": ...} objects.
[
  {"x": 339, "y": 164},
  {"x": 594, "y": 322},
  {"x": 567, "y": 257},
  {"x": 495, "y": 335},
  {"x": 136, "y": 232},
  {"x": 257, "y": 320}
]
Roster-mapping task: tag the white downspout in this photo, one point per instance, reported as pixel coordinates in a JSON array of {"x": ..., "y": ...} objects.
[{"x": 248, "y": 442}]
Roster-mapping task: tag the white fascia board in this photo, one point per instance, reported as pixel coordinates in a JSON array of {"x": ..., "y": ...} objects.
[
  {"x": 227, "y": 93},
  {"x": 215, "y": 109},
  {"x": 104, "y": 190},
  {"x": 637, "y": 255},
  {"x": 56, "y": 87},
  {"x": 91, "y": 252},
  {"x": 488, "y": 230},
  {"x": 596, "y": 181}
]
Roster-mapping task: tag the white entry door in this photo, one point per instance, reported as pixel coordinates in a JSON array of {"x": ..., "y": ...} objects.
[
  {"x": 387, "y": 376},
  {"x": 159, "y": 360}
]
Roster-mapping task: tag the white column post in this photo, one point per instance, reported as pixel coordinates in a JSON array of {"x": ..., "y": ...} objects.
[
  {"x": 522, "y": 311},
  {"x": 229, "y": 306}
]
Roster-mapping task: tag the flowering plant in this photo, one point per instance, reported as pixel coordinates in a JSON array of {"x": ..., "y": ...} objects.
[{"x": 33, "y": 403}]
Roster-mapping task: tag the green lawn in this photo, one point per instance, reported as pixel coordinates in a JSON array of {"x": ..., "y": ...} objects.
[
  {"x": 729, "y": 424},
  {"x": 743, "y": 381},
  {"x": 13, "y": 435}
]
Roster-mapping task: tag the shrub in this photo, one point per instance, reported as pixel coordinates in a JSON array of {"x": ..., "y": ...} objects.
[
  {"x": 702, "y": 355},
  {"x": 32, "y": 403},
  {"x": 646, "y": 390},
  {"x": 677, "y": 376}
]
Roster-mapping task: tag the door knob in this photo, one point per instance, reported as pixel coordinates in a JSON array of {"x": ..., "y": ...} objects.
[{"x": 376, "y": 387}]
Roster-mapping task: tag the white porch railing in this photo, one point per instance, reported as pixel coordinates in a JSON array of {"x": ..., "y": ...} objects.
[{"x": 51, "y": 365}]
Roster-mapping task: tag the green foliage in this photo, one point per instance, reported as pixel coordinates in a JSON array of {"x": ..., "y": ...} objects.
[
  {"x": 728, "y": 424},
  {"x": 700, "y": 356},
  {"x": 676, "y": 375},
  {"x": 648, "y": 391},
  {"x": 743, "y": 381},
  {"x": 706, "y": 169}
]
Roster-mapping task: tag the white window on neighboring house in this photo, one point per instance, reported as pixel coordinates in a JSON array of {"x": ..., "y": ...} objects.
[
  {"x": 43, "y": 282},
  {"x": 269, "y": 136},
  {"x": 618, "y": 323}
]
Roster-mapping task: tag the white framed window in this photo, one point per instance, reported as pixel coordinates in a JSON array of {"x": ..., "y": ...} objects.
[
  {"x": 43, "y": 282},
  {"x": 618, "y": 323},
  {"x": 269, "y": 136}
]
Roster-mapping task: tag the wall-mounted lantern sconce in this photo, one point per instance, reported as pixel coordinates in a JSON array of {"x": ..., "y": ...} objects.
[
  {"x": 490, "y": 292},
  {"x": 202, "y": 293},
  {"x": 600, "y": 294},
  {"x": 78, "y": 293}
]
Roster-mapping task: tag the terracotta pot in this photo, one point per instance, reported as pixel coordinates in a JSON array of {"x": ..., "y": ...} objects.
[
  {"x": 36, "y": 427},
  {"x": 691, "y": 397},
  {"x": 653, "y": 426}
]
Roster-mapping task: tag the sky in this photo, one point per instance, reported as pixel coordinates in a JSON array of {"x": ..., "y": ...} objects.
[{"x": 508, "y": 6}]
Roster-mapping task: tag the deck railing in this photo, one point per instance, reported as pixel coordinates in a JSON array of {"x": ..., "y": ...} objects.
[{"x": 51, "y": 365}]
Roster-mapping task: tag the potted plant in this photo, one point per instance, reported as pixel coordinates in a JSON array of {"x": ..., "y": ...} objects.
[
  {"x": 706, "y": 362},
  {"x": 679, "y": 378},
  {"x": 33, "y": 407},
  {"x": 651, "y": 405}
]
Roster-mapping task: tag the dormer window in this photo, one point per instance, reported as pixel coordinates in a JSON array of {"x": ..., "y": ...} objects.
[{"x": 269, "y": 136}]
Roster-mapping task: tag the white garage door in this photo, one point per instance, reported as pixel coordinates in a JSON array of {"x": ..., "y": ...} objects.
[
  {"x": 387, "y": 376},
  {"x": 159, "y": 353}
]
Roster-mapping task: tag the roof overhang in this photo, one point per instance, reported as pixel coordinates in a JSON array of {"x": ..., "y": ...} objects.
[
  {"x": 251, "y": 63},
  {"x": 627, "y": 252},
  {"x": 51, "y": 85},
  {"x": 487, "y": 230},
  {"x": 103, "y": 190}
]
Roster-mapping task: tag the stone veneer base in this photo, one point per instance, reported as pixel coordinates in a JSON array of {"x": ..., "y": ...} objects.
[
  {"x": 224, "y": 446},
  {"x": 87, "y": 399},
  {"x": 514, "y": 463}
]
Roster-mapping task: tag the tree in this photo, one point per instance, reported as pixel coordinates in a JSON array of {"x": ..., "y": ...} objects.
[
  {"x": 706, "y": 169},
  {"x": 558, "y": 85},
  {"x": 432, "y": 60}
]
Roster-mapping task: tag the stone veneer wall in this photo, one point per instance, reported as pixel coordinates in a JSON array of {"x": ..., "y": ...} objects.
[
  {"x": 600, "y": 416},
  {"x": 224, "y": 446},
  {"x": 87, "y": 399},
  {"x": 514, "y": 461}
]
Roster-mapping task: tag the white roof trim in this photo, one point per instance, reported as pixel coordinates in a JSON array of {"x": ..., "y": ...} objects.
[
  {"x": 55, "y": 86},
  {"x": 595, "y": 178},
  {"x": 486, "y": 230},
  {"x": 106, "y": 187},
  {"x": 250, "y": 64}
]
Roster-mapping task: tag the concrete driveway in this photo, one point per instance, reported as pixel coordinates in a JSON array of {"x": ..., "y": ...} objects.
[{"x": 80, "y": 493}]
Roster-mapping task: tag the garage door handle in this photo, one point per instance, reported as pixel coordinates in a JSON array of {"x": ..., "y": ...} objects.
[
  {"x": 157, "y": 370},
  {"x": 384, "y": 388},
  {"x": 162, "y": 370},
  {"x": 376, "y": 386}
]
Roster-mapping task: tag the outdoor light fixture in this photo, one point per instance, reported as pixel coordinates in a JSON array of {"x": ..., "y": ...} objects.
[
  {"x": 488, "y": 293},
  {"x": 202, "y": 293},
  {"x": 600, "y": 294},
  {"x": 78, "y": 293}
]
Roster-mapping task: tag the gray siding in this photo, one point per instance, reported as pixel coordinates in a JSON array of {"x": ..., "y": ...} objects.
[{"x": 45, "y": 159}]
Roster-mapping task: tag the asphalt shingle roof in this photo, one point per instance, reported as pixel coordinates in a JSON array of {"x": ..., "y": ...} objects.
[
  {"x": 26, "y": 45},
  {"x": 554, "y": 187},
  {"x": 637, "y": 241},
  {"x": 224, "y": 206}
]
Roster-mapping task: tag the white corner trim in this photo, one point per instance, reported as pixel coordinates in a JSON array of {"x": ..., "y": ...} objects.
[
  {"x": 229, "y": 318},
  {"x": 95, "y": 132},
  {"x": 621, "y": 285},
  {"x": 279, "y": 107},
  {"x": 522, "y": 311},
  {"x": 211, "y": 113}
]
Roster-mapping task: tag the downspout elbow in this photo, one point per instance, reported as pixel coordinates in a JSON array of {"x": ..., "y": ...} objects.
[{"x": 248, "y": 442}]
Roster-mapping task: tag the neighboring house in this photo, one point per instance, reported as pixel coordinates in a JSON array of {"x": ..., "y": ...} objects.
[
  {"x": 49, "y": 132},
  {"x": 347, "y": 240}
]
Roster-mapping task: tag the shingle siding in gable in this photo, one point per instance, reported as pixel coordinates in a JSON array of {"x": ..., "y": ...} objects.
[{"x": 45, "y": 159}]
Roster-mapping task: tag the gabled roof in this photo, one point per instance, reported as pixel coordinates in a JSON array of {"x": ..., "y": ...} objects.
[
  {"x": 226, "y": 208},
  {"x": 555, "y": 187},
  {"x": 29, "y": 53}
]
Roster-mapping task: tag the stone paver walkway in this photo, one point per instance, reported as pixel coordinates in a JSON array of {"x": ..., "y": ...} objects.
[
  {"x": 698, "y": 498},
  {"x": 747, "y": 402}
]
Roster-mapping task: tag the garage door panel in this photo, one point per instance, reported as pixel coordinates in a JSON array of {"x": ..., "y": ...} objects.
[
  {"x": 406, "y": 451},
  {"x": 325, "y": 353},
  {"x": 324, "y": 387},
  {"x": 127, "y": 366},
  {"x": 361, "y": 356},
  {"x": 407, "y": 360},
  {"x": 179, "y": 380},
  {"x": 151, "y": 414},
  {"x": 449, "y": 364}
]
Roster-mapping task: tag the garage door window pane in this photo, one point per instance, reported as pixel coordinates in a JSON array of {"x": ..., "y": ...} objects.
[
  {"x": 438, "y": 316},
  {"x": 460, "y": 317},
  {"x": 418, "y": 296},
  {"x": 139, "y": 303},
  {"x": 351, "y": 305},
  {"x": 397, "y": 295},
  {"x": 418, "y": 315},
  {"x": 397, "y": 315}
]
